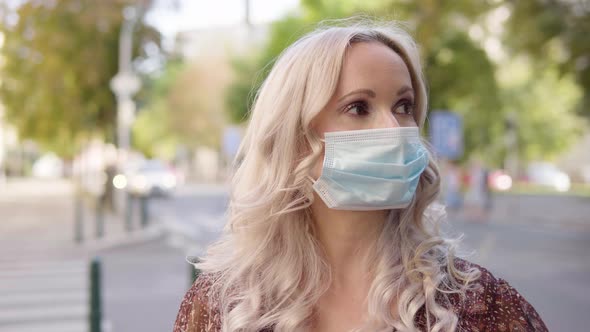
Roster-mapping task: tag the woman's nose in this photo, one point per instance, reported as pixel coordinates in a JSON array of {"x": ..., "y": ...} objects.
[{"x": 385, "y": 119}]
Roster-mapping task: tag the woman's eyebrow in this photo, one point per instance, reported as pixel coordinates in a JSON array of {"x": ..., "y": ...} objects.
[
  {"x": 404, "y": 89},
  {"x": 369, "y": 92},
  {"x": 372, "y": 94}
]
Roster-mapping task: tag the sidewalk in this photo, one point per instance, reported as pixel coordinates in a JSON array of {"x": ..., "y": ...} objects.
[
  {"x": 40, "y": 216},
  {"x": 44, "y": 277},
  {"x": 547, "y": 211}
]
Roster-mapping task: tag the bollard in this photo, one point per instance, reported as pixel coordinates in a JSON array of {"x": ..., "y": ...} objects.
[
  {"x": 99, "y": 218},
  {"x": 128, "y": 212},
  {"x": 78, "y": 218},
  {"x": 144, "y": 210},
  {"x": 95, "y": 296},
  {"x": 193, "y": 272}
]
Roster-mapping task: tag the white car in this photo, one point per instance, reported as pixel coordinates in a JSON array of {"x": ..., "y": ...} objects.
[
  {"x": 48, "y": 166},
  {"x": 547, "y": 174},
  {"x": 149, "y": 178}
]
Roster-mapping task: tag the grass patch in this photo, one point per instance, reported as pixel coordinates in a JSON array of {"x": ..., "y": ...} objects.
[{"x": 577, "y": 189}]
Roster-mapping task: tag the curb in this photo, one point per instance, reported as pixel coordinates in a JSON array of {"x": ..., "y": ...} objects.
[
  {"x": 183, "y": 236},
  {"x": 123, "y": 239}
]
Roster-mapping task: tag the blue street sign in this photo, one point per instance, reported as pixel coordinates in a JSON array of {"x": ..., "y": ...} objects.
[
  {"x": 232, "y": 137},
  {"x": 446, "y": 134}
]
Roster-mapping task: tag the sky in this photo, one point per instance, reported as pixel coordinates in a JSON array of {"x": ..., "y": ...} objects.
[{"x": 194, "y": 14}]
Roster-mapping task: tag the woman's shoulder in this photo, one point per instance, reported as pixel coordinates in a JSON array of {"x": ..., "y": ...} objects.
[
  {"x": 198, "y": 310},
  {"x": 491, "y": 303}
]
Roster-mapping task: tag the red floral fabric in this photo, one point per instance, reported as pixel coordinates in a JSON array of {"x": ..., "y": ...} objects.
[{"x": 492, "y": 305}]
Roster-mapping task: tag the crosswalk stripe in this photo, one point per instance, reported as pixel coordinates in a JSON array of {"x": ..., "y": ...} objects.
[
  {"x": 45, "y": 273},
  {"x": 35, "y": 283},
  {"x": 46, "y": 313},
  {"x": 43, "y": 298},
  {"x": 41, "y": 264},
  {"x": 74, "y": 325},
  {"x": 43, "y": 295}
]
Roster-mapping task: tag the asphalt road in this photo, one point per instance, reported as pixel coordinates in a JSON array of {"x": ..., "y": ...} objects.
[
  {"x": 544, "y": 257},
  {"x": 144, "y": 284}
]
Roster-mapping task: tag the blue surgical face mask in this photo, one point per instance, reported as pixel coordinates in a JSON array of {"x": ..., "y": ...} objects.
[{"x": 374, "y": 169}]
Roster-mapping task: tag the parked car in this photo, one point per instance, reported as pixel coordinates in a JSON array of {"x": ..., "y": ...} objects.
[
  {"x": 149, "y": 178},
  {"x": 48, "y": 166},
  {"x": 547, "y": 174}
]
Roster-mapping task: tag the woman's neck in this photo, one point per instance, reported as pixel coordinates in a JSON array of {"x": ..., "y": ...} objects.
[{"x": 347, "y": 238}]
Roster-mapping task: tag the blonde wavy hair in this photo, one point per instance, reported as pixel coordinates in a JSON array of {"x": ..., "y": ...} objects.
[{"x": 268, "y": 265}]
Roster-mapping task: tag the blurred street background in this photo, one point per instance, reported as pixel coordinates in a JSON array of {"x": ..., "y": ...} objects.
[{"x": 119, "y": 120}]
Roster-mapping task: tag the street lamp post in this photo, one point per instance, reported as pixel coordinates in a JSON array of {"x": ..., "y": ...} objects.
[
  {"x": 511, "y": 142},
  {"x": 2, "y": 148},
  {"x": 124, "y": 85}
]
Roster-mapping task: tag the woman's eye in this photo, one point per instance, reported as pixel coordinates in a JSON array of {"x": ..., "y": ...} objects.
[
  {"x": 357, "y": 109},
  {"x": 405, "y": 108}
]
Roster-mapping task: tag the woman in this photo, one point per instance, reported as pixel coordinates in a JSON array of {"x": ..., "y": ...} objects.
[{"x": 330, "y": 220}]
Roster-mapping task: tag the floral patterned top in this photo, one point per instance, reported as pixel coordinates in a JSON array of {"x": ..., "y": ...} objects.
[{"x": 492, "y": 305}]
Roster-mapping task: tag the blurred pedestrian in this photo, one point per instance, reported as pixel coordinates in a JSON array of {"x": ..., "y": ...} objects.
[
  {"x": 107, "y": 197},
  {"x": 331, "y": 226},
  {"x": 451, "y": 185},
  {"x": 477, "y": 196},
  {"x": 488, "y": 198}
]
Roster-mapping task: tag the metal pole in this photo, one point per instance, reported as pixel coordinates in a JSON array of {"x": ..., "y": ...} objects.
[
  {"x": 95, "y": 296},
  {"x": 78, "y": 216},
  {"x": 144, "y": 210},
  {"x": 3, "y": 147},
  {"x": 511, "y": 141},
  {"x": 99, "y": 218},
  {"x": 124, "y": 91},
  {"x": 193, "y": 272},
  {"x": 247, "y": 14},
  {"x": 128, "y": 212},
  {"x": 124, "y": 85}
]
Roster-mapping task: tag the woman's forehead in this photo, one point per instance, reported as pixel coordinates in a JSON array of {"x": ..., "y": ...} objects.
[{"x": 375, "y": 66}]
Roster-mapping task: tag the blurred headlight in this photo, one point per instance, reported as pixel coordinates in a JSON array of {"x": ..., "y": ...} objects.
[
  {"x": 169, "y": 181},
  {"x": 120, "y": 181},
  {"x": 562, "y": 182},
  {"x": 503, "y": 182}
]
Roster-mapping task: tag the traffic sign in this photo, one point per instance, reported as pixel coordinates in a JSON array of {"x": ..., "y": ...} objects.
[
  {"x": 125, "y": 83},
  {"x": 446, "y": 134},
  {"x": 232, "y": 137}
]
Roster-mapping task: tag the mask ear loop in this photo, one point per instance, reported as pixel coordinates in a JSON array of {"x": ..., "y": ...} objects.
[{"x": 312, "y": 180}]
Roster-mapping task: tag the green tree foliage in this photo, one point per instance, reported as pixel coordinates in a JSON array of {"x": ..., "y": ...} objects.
[
  {"x": 153, "y": 134},
  {"x": 541, "y": 105},
  {"x": 460, "y": 75},
  {"x": 59, "y": 57},
  {"x": 252, "y": 70},
  {"x": 184, "y": 107},
  {"x": 554, "y": 33},
  {"x": 446, "y": 50}
]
